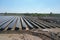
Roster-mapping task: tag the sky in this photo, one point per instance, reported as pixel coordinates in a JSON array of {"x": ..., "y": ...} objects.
[{"x": 30, "y": 6}]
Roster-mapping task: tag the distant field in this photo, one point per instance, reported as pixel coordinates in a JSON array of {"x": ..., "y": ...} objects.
[{"x": 29, "y": 14}]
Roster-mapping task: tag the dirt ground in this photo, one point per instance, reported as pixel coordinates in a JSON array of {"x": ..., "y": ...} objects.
[
  {"x": 18, "y": 37},
  {"x": 27, "y": 35}
]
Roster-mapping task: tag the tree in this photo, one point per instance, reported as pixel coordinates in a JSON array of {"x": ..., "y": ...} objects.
[
  {"x": 50, "y": 13},
  {"x": 5, "y": 13}
]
